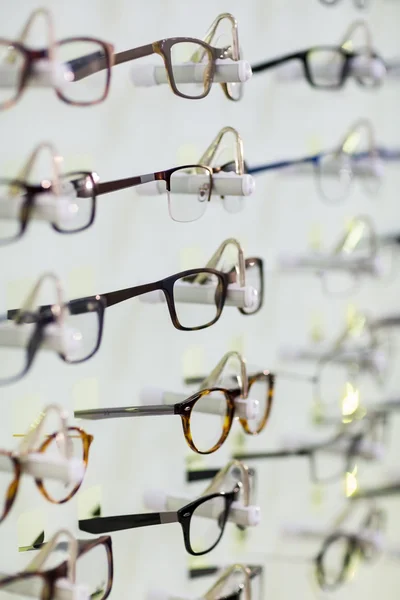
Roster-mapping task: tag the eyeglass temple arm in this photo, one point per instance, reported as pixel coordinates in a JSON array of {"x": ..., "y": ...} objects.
[
  {"x": 377, "y": 492},
  {"x": 95, "y": 62},
  {"x": 269, "y": 64},
  {"x": 111, "y": 298},
  {"x": 121, "y": 522},
  {"x": 121, "y": 184},
  {"x": 204, "y": 474},
  {"x": 313, "y": 160},
  {"x": 96, "y": 414},
  {"x": 276, "y": 454}
]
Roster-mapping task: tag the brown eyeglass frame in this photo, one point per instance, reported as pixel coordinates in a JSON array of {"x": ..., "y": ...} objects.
[
  {"x": 32, "y": 56},
  {"x": 61, "y": 571},
  {"x": 12, "y": 491}
]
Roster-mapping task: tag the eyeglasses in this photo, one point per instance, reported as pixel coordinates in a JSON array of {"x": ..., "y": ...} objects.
[
  {"x": 67, "y": 442},
  {"x": 81, "y": 320},
  {"x": 208, "y": 415},
  {"x": 188, "y": 188},
  {"x": 358, "y": 157},
  {"x": 202, "y": 521},
  {"x": 85, "y": 63},
  {"x": 234, "y": 582},
  {"x": 329, "y": 67},
  {"x": 88, "y": 563},
  {"x": 357, "y": 255},
  {"x": 341, "y": 553},
  {"x": 329, "y": 460},
  {"x": 19, "y": 64},
  {"x": 357, "y": 3}
]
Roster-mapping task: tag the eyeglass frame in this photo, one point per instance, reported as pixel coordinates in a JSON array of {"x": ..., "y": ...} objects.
[
  {"x": 183, "y": 516},
  {"x": 27, "y": 447},
  {"x": 65, "y": 570}
]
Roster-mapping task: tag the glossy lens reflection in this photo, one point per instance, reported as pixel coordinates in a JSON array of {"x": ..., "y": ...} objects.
[
  {"x": 92, "y": 571},
  {"x": 207, "y": 524},
  {"x": 198, "y": 300},
  {"x": 54, "y": 447},
  {"x": 191, "y": 61},
  {"x": 13, "y": 64},
  {"x": 325, "y": 67},
  {"x": 189, "y": 194},
  {"x": 208, "y": 420},
  {"x": 77, "y": 202},
  {"x": 12, "y": 202},
  {"x": 85, "y": 71},
  {"x": 335, "y": 176}
]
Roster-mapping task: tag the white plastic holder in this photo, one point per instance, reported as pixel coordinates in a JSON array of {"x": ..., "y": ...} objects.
[
  {"x": 247, "y": 408},
  {"x": 47, "y": 207},
  {"x": 64, "y": 589},
  {"x": 44, "y": 74},
  {"x": 159, "y": 501},
  {"x": 63, "y": 340},
  {"x": 327, "y": 262},
  {"x": 199, "y": 293},
  {"x": 224, "y": 184},
  {"x": 226, "y": 71},
  {"x": 361, "y": 66},
  {"x": 366, "y": 450},
  {"x": 41, "y": 466}
]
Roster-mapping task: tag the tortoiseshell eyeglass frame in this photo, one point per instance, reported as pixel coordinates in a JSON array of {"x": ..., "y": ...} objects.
[
  {"x": 62, "y": 571},
  {"x": 29, "y": 444}
]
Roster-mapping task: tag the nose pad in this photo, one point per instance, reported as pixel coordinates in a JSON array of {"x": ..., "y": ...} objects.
[{"x": 204, "y": 190}]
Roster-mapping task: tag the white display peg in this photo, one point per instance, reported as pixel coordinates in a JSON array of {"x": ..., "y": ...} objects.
[
  {"x": 246, "y": 408},
  {"x": 328, "y": 262},
  {"x": 41, "y": 466},
  {"x": 366, "y": 449},
  {"x": 224, "y": 184},
  {"x": 44, "y": 74},
  {"x": 361, "y": 66},
  {"x": 61, "y": 339},
  {"x": 226, "y": 71},
  {"x": 246, "y": 516},
  {"x": 203, "y": 293},
  {"x": 47, "y": 207},
  {"x": 33, "y": 588}
]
